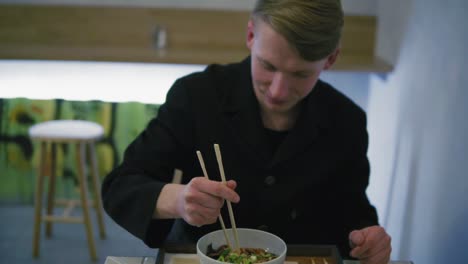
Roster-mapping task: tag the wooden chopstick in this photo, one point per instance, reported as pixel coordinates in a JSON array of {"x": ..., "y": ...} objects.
[
  {"x": 223, "y": 177},
  {"x": 177, "y": 177},
  {"x": 220, "y": 218}
]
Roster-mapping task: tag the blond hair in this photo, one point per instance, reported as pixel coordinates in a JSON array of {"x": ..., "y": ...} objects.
[{"x": 312, "y": 27}]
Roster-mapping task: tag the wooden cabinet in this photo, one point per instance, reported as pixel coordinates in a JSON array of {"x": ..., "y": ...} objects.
[{"x": 149, "y": 34}]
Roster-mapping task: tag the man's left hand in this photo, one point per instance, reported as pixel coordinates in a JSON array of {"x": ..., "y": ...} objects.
[{"x": 371, "y": 245}]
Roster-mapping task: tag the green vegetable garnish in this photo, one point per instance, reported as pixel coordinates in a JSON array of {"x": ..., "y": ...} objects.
[{"x": 242, "y": 256}]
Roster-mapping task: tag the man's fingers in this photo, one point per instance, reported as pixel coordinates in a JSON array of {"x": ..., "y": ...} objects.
[
  {"x": 356, "y": 238},
  {"x": 358, "y": 243},
  {"x": 359, "y": 251},
  {"x": 231, "y": 184},
  {"x": 372, "y": 245},
  {"x": 226, "y": 191},
  {"x": 198, "y": 215},
  {"x": 382, "y": 247},
  {"x": 204, "y": 199},
  {"x": 199, "y": 220},
  {"x": 215, "y": 188}
]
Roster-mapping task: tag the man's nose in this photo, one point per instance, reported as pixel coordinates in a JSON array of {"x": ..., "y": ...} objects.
[{"x": 279, "y": 87}]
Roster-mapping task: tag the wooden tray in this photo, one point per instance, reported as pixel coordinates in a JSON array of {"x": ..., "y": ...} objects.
[
  {"x": 313, "y": 254},
  {"x": 297, "y": 254}
]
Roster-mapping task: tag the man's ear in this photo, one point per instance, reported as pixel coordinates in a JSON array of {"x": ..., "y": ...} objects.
[
  {"x": 331, "y": 59},
  {"x": 250, "y": 34}
]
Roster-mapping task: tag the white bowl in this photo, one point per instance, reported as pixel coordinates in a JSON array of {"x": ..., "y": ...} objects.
[{"x": 248, "y": 238}]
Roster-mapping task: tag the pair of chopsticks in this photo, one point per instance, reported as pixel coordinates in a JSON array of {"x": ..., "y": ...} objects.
[{"x": 223, "y": 178}]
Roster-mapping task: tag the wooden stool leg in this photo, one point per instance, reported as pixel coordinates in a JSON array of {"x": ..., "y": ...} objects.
[
  {"x": 81, "y": 166},
  {"x": 97, "y": 189},
  {"x": 51, "y": 194},
  {"x": 38, "y": 198}
]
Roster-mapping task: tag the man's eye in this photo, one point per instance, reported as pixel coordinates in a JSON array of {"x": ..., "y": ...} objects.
[
  {"x": 301, "y": 75},
  {"x": 269, "y": 67}
]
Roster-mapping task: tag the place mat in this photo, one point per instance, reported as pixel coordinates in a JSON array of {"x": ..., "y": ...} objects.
[
  {"x": 313, "y": 254},
  {"x": 297, "y": 254},
  {"x": 193, "y": 259},
  {"x": 130, "y": 260}
]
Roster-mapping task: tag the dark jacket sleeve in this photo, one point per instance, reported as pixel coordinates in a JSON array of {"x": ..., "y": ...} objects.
[
  {"x": 131, "y": 190},
  {"x": 354, "y": 204},
  {"x": 356, "y": 178}
]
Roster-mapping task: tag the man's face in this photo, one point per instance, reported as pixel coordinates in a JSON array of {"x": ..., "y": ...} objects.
[{"x": 281, "y": 78}]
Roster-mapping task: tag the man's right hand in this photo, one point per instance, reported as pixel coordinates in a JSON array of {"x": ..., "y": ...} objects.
[{"x": 198, "y": 203}]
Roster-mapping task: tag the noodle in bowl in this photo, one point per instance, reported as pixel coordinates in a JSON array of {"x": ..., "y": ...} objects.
[{"x": 248, "y": 238}]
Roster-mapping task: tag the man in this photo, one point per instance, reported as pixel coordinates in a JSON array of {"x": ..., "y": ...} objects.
[{"x": 293, "y": 147}]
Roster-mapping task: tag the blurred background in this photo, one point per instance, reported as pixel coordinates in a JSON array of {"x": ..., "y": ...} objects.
[{"x": 112, "y": 61}]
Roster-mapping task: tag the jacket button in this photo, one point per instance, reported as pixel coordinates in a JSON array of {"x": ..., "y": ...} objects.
[
  {"x": 293, "y": 214},
  {"x": 270, "y": 180},
  {"x": 263, "y": 228}
]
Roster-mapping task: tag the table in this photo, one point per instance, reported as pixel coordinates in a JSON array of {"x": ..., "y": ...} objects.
[
  {"x": 190, "y": 259},
  {"x": 186, "y": 254}
]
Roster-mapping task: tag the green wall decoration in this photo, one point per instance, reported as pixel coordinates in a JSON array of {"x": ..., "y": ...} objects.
[{"x": 122, "y": 122}]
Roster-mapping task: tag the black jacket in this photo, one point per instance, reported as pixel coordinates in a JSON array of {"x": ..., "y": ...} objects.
[{"x": 310, "y": 191}]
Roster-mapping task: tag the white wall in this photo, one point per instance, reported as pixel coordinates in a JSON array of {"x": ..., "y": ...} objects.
[
  {"x": 384, "y": 103},
  {"x": 353, "y": 84},
  {"x": 418, "y": 125}
]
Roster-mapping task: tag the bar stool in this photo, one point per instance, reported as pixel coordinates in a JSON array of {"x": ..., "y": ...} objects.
[{"x": 83, "y": 134}]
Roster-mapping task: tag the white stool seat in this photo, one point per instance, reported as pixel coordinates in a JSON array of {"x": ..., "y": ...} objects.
[{"x": 66, "y": 130}]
